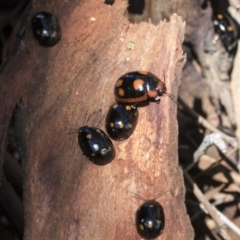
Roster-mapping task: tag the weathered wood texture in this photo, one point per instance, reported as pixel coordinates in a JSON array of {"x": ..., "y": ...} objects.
[
  {"x": 61, "y": 88},
  {"x": 200, "y": 35}
]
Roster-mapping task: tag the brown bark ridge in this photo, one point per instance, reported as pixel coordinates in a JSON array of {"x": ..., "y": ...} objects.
[{"x": 63, "y": 87}]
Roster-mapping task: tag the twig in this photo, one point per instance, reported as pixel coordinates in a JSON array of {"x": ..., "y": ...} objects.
[
  {"x": 214, "y": 138},
  {"x": 232, "y": 141},
  {"x": 212, "y": 192},
  {"x": 214, "y": 163},
  {"x": 211, "y": 210},
  {"x": 223, "y": 218}
]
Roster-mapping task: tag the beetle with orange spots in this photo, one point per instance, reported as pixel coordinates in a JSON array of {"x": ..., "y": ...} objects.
[
  {"x": 96, "y": 145},
  {"x": 150, "y": 217},
  {"x": 227, "y": 29},
  {"x": 121, "y": 120},
  {"x": 138, "y": 86}
]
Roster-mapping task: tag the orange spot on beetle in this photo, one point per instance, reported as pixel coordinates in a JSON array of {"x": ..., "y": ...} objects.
[
  {"x": 128, "y": 107},
  {"x": 121, "y": 92},
  {"x": 119, "y": 83},
  {"x": 141, "y": 226},
  {"x": 137, "y": 84},
  {"x": 159, "y": 221},
  {"x": 89, "y": 136},
  {"x": 150, "y": 224},
  {"x": 152, "y": 93},
  {"x": 161, "y": 86},
  {"x": 220, "y": 16}
]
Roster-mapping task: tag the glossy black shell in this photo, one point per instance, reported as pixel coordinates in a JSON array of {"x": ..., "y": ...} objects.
[
  {"x": 96, "y": 145},
  {"x": 226, "y": 28},
  {"x": 46, "y": 29},
  {"x": 134, "y": 87},
  {"x": 150, "y": 219},
  {"x": 121, "y": 121}
]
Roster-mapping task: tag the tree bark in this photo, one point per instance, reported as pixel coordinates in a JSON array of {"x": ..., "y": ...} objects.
[{"x": 64, "y": 87}]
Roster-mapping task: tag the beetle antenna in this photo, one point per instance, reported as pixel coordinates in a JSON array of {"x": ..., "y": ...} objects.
[
  {"x": 137, "y": 196},
  {"x": 164, "y": 77},
  {"x": 86, "y": 119},
  {"x": 161, "y": 193},
  {"x": 168, "y": 94},
  {"x": 73, "y": 131},
  {"x": 171, "y": 96}
]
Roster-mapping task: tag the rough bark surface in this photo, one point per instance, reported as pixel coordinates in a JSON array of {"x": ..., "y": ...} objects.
[
  {"x": 61, "y": 88},
  {"x": 214, "y": 74}
]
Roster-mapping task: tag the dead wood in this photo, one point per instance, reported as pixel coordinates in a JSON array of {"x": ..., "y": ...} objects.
[
  {"x": 199, "y": 35},
  {"x": 205, "y": 87},
  {"x": 61, "y": 88}
]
